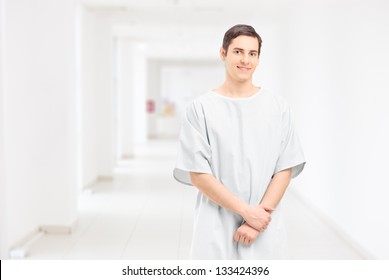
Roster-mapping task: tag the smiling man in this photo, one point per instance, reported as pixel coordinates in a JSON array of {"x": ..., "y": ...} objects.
[{"x": 239, "y": 148}]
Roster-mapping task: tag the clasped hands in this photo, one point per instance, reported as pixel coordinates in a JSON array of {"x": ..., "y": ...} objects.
[{"x": 256, "y": 218}]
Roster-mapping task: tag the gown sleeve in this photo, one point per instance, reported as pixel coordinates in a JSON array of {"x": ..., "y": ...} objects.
[
  {"x": 194, "y": 151},
  {"x": 291, "y": 153}
]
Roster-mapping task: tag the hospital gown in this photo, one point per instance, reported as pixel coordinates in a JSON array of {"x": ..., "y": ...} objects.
[{"x": 242, "y": 142}]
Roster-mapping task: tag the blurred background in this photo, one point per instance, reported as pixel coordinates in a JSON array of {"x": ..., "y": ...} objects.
[{"x": 91, "y": 95}]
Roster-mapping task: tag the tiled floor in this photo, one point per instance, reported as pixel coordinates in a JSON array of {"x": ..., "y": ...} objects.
[{"x": 144, "y": 214}]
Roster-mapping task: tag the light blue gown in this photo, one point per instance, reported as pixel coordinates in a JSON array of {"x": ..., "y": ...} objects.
[{"x": 243, "y": 142}]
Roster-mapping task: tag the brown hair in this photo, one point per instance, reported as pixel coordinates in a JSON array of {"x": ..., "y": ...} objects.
[{"x": 238, "y": 30}]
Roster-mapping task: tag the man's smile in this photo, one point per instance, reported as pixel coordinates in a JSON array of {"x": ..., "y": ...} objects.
[{"x": 244, "y": 68}]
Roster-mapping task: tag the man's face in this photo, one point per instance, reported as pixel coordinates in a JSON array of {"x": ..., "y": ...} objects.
[{"x": 241, "y": 59}]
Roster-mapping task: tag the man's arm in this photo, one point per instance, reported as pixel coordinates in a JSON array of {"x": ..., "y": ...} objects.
[
  {"x": 256, "y": 216},
  {"x": 273, "y": 195},
  {"x": 276, "y": 189}
]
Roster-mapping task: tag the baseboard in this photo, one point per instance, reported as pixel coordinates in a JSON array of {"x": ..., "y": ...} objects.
[
  {"x": 58, "y": 229},
  {"x": 127, "y": 157},
  {"x": 89, "y": 188},
  {"x": 21, "y": 248},
  {"x": 106, "y": 178}
]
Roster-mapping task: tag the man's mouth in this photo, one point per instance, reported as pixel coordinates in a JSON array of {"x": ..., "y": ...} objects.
[{"x": 243, "y": 68}]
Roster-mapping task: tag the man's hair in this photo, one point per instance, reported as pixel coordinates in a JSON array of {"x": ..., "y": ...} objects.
[{"x": 238, "y": 30}]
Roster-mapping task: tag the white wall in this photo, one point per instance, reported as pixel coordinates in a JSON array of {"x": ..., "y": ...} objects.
[
  {"x": 104, "y": 96},
  {"x": 125, "y": 97},
  {"x": 39, "y": 111},
  {"x": 336, "y": 66},
  {"x": 3, "y": 200},
  {"x": 89, "y": 98},
  {"x": 153, "y": 93},
  {"x": 97, "y": 96},
  {"x": 139, "y": 90},
  {"x": 131, "y": 67}
]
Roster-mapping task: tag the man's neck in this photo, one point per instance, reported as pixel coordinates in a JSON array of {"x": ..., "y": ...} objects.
[{"x": 237, "y": 90}]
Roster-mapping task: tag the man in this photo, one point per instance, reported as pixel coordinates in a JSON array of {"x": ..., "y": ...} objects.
[{"x": 239, "y": 148}]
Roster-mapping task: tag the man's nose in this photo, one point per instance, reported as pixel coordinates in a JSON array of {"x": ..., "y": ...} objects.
[{"x": 244, "y": 59}]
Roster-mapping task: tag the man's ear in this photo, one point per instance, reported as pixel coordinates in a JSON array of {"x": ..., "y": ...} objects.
[{"x": 223, "y": 53}]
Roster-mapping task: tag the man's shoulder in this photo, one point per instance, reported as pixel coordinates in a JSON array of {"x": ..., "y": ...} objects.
[
  {"x": 200, "y": 100},
  {"x": 276, "y": 100},
  {"x": 195, "y": 107},
  {"x": 276, "y": 95},
  {"x": 203, "y": 97}
]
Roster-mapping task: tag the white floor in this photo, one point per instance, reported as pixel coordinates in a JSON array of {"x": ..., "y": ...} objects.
[{"x": 144, "y": 214}]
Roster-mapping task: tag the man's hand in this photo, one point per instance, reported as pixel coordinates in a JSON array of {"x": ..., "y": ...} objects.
[
  {"x": 245, "y": 234},
  {"x": 258, "y": 217}
]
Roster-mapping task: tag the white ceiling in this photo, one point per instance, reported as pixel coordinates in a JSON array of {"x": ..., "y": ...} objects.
[
  {"x": 189, "y": 12},
  {"x": 184, "y": 26}
]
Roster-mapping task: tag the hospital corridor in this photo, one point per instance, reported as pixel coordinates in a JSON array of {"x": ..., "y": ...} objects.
[
  {"x": 92, "y": 98},
  {"x": 144, "y": 214}
]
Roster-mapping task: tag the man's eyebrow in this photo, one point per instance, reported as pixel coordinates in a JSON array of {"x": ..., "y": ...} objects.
[{"x": 240, "y": 49}]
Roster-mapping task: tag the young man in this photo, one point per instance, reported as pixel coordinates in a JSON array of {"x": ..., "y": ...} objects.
[{"x": 239, "y": 148}]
